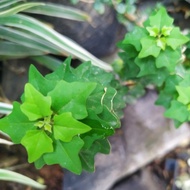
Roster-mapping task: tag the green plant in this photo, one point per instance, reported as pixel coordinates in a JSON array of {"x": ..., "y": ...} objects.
[
  {"x": 156, "y": 58},
  {"x": 66, "y": 117},
  {"x": 24, "y": 36}
]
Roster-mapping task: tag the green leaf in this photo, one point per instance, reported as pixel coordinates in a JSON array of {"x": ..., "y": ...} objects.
[
  {"x": 184, "y": 94},
  {"x": 58, "y": 10},
  {"x": 186, "y": 79},
  {"x": 170, "y": 84},
  {"x": 156, "y": 79},
  {"x": 6, "y": 3},
  {"x": 176, "y": 39},
  {"x": 169, "y": 91},
  {"x": 39, "y": 163},
  {"x": 27, "y": 40},
  {"x": 63, "y": 44},
  {"x": 133, "y": 38},
  {"x": 88, "y": 153},
  {"x": 130, "y": 69},
  {"x": 37, "y": 142},
  {"x": 90, "y": 73},
  {"x": 146, "y": 65},
  {"x": 161, "y": 19},
  {"x": 164, "y": 100},
  {"x": 170, "y": 62},
  {"x": 66, "y": 127},
  {"x": 7, "y": 175},
  {"x": 107, "y": 118},
  {"x": 153, "y": 31},
  {"x": 9, "y": 50},
  {"x": 71, "y": 97},
  {"x": 97, "y": 128},
  {"x": 149, "y": 47},
  {"x": 16, "y": 124},
  {"x": 161, "y": 42},
  {"x": 39, "y": 82},
  {"x": 177, "y": 111},
  {"x": 36, "y": 105},
  {"x": 63, "y": 72},
  {"x": 67, "y": 155},
  {"x": 166, "y": 31},
  {"x": 18, "y": 8},
  {"x": 129, "y": 52}
]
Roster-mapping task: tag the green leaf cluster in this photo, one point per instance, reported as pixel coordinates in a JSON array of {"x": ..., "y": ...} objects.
[
  {"x": 65, "y": 117},
  {"x": 154, "y": 49},
  {"x": 175, "y": 97},
  {"x": 152, "y": 55}
]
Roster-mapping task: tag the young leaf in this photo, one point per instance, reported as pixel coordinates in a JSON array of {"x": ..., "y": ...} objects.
[
  {"x": 37, "y": 142},
  {"x": 66, "y": 127},
  {"x": 35, "y": 105},
  {"x": 153, "y": 31},
  {"x": 166, "y": 30},
  {"x": 67, "y": 155},
  {"x": 161, "y": 42}
]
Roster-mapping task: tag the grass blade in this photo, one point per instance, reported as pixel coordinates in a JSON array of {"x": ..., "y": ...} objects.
[
  {"x": 9, "y": 50},
  {"x": 7, "y": 175},
  {"x": 7, "y": 3},
  {"x": 27, "y": 39},
  {"x": 67, "y": 46},
  {"x": 48, "y": 61},
  {"x": 18, "y": 8},
  {"x": 5, "y": 108},
  {"x": 6, "y": 142},
  {"x": 57, "y": 10}
]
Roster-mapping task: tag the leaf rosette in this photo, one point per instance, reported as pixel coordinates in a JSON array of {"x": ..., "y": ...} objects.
[
  {"x": 151, "y": 54},
  {"x": 66, "y": 116}
]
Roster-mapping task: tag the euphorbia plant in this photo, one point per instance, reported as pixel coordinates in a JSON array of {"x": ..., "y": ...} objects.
[{"x": 66, "y": 116}]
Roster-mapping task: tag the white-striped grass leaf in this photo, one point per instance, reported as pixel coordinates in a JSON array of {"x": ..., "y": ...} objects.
[
  {"x": 67, "y": 46},
  {"x": 7, "y": 175},
  {"x": 57, "y": 10},
  {"x": 18, "y": 8}
]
